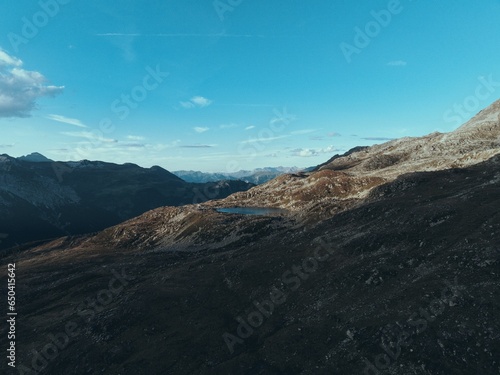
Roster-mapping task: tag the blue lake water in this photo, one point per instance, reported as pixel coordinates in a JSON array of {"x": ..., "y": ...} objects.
[{"x": 263, "y": 211}]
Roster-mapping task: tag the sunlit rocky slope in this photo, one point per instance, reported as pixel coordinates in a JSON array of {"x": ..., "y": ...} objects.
[{"x": 350, "y": 177}]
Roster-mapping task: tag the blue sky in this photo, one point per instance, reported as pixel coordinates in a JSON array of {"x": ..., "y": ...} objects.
[{"x": 226, "y": 85}]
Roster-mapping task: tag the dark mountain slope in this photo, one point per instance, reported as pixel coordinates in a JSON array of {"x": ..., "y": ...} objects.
[
  {"x": 414, "y": 268},
  {"x": 44, "y": 199}
]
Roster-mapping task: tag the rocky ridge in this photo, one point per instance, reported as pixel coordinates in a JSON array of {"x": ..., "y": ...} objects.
[{"x": 352, "y": 176}]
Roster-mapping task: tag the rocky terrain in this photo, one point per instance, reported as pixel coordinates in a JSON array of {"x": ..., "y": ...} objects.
[
  {"x": 351, "y": 176},
  {"x": 386, "y": 262},
  {"x": 41, "y": 199}
]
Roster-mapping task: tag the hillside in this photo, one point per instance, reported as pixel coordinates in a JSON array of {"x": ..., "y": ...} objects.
[
  {"x": 385, "y": 264},
  {"x": 41, "y": 199},
  {"x": 380, "y": 265},
  {"x": 345, "y": 179}
]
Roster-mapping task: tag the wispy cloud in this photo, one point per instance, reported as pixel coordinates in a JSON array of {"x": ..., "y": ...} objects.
[
  {"x": 334, "y": 134},
  {"x": 397, "y": 63},
  {"x": 378, "y": 139},
  {"x": 264, "y": 139},
  {"x": 186, "y": 105},
  {"x": 90, "y": 136},
  {"x": 99, "y": 148},
  {"x": 66, "y": 120},
  {"x": 330, "y": 135},
  {"x": 200, "y": 101},
  {"x": 135, "y": 138},
  {"x": 7, "y": 146},
  {"x": 197, "y": 146},
  {"x": 250, "y": 127},
  {"x": 309, "y": 152},
  {"x": 183, "y": 35},
  {"x": 132, "y": 145},
  {"x": 200, "y": 129},
  {"x": 196, "y": 101},
  {"x": 245, "y": 105}
]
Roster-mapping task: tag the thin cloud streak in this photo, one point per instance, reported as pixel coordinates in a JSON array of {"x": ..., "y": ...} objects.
[
  {"x": 178, "y": 35},
  {"x": 66, "y": 120},
  {"x": 245, "y": 105},
  {"x": 378, "y": 139},
  {"x": 263, "y": 139},
  {"x": 197, "y": 146},
  {"x": 89, "y": 135}
]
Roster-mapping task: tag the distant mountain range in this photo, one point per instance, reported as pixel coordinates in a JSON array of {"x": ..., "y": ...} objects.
[
  {"x": 41, "y": 198},
  {"x": 257, "y": 176}
]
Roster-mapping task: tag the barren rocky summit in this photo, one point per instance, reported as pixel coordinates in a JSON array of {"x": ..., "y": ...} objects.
[{"x": 353, "y": 175}]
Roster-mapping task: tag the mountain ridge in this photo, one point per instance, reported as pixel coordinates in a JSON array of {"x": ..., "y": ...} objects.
[
  {"x": 40, "y": 199},
  {"x": 256, "y": 176},
  {"x": 351, "y": 176}
]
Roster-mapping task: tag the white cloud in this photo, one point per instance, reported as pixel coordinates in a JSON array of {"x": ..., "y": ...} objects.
[
  {"x": 135, "y": 138},
  {"x": 124, "y": 151},
  {"x": 250, "y": 127},
  {"x": 20, "y": 89},
  {"x": 66, "y": 120},
  {"x": 199, "y": 129},
  {"x": 7, "y": 60},
  {"x": 397, "y": 63},
  {"x": 308, "y": 152},
  {"x": 196, "y": 101},
  {"x": 200, "y": 101}
]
